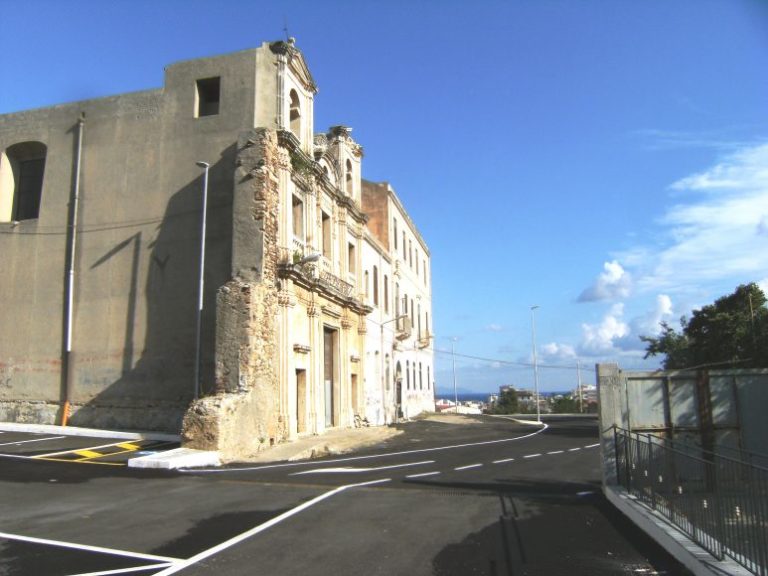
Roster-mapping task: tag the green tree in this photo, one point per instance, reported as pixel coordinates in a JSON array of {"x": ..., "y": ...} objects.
[
  {"x": 507, "y": 403},
  {"x": 732, "y": 330},
  {"x": 565, "y": 405}
]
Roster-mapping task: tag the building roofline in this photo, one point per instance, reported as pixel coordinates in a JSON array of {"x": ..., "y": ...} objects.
[{"x": 396, "y": 200}]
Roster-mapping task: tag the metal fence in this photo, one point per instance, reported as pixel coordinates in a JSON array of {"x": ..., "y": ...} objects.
[{"x": 719, "y": 501}]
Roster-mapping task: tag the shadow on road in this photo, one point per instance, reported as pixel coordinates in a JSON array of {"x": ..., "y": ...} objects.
[{"x": 549, "y": 528}]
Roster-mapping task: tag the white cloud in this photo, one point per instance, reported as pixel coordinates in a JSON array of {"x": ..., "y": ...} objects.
[
  {"x": 554, "y": 353},
  {"x": 649, "y": 324},
  {"x": 599, "y": 339},
  {"x": 744, "y": 169},
  {"x": 612, "y": 284},
  {"x": 615, "y": 337},
  {"x": 762, "y": 226},
  {"x": 494, "y": 328},
  {"x": 720, "y": 233}
]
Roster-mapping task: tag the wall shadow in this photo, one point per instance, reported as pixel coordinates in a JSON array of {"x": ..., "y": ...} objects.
[{"x": 153, "y": 391}]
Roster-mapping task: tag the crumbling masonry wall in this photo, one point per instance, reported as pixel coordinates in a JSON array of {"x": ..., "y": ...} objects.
[{"x": 242, "y": 415}]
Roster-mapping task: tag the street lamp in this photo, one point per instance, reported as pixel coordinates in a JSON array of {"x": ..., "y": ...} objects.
[
  {"x": 205, "y": 166},
  {"x": 453, "y": 361},
  {"x": 535, "y": 364}
]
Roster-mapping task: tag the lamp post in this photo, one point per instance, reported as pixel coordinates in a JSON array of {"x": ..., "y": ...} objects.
[
  {"x": 199, "y": 314},
  {"x": 535, "y": 364},
  {"x": 453, "y": 361}
]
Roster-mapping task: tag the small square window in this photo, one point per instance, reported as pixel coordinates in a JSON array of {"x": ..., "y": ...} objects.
[{"x": 207, "y": 97}]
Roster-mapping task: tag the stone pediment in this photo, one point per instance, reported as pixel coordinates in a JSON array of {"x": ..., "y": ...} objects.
[{"x": 296, "y": 63}]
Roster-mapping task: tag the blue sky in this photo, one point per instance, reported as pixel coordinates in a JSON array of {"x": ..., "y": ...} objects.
[{"x": 606, "y": 161}]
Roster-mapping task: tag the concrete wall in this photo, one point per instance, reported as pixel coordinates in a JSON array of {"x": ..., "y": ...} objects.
[
  {"x": 137, "y": 250},
  {"x": 708, "y": 408}
]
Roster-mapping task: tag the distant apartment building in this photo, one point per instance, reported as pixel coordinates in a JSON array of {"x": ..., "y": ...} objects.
[{"x": 101, "y": 213}]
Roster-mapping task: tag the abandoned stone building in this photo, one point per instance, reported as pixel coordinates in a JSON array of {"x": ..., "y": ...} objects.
[{"x": 195, "y": 258}]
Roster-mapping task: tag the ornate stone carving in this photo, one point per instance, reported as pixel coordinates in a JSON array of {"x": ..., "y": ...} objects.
[{"x": 286, "y": 299}]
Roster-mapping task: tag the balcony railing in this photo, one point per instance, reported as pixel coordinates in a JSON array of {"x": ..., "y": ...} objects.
[{"x": 720, "y": 502}]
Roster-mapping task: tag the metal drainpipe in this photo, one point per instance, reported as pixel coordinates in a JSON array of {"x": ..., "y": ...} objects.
[{"x": 71, "y": 275}]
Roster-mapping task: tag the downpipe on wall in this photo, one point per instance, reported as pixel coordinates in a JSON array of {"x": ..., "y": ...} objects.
[{"x": 70, "y": 296}]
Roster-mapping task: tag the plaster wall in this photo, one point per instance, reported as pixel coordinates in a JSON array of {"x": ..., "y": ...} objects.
[{"x": 137, "y": 250}]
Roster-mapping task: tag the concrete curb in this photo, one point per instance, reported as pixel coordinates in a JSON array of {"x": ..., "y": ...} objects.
[
  {"x": 178, "y": 458},
  {"x": 691, "y": 555},
  {"x": 92, "y": 432}
]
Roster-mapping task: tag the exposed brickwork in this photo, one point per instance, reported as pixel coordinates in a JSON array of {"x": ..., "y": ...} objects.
[{"x": 242, "y": 417}]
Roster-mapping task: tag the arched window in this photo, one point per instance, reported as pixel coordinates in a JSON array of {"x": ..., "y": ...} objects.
[
  {"x": 349, "y": 178},
  {"x": 295, "y": 114},
  {"x": 22, "y": 167},
  {"x": 429, "y": 385}
]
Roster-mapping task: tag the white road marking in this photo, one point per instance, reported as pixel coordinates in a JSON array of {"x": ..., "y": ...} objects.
[
  {"x": 87, "y": 548},
  {"x": 353, "y": 458},
  {"x": 126, "y": 570},
  {"x": 80, "y": 448},
  {"x": 531, "y": 455},
  {"x": 177, "y": 566},
  {"x": 18, "y": 456},
  {"x": 592, "y": 445},
  {"x": 503, "y": 460},
  {"x": 468, "y": 467},
  {"x": 28, "y": 441},
  {"x": 348, "y": 470},
  {"x": 574, "y": 449},
  {"x": 423, "y": 474},
  {"x": 556, "y": 452}
]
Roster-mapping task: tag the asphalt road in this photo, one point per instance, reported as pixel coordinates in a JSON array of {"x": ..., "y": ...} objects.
[{"x": 489, "y": 497}]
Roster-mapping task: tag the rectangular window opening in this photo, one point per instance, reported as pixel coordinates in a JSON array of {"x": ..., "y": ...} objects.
[
  {"x": 326, "y": 221},
  {"x": 208, "y": 96},
  {"x": 351, "y": 259},
  {"x": 29, "y": 189}
]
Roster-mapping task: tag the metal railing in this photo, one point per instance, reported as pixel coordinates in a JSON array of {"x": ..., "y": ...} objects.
[{"x": 718, "y": 501}]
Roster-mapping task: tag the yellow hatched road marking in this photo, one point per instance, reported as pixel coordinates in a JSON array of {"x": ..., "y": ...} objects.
[
  {"x": 82, "y": 461},
  {"x": 88, "y": 453}
]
